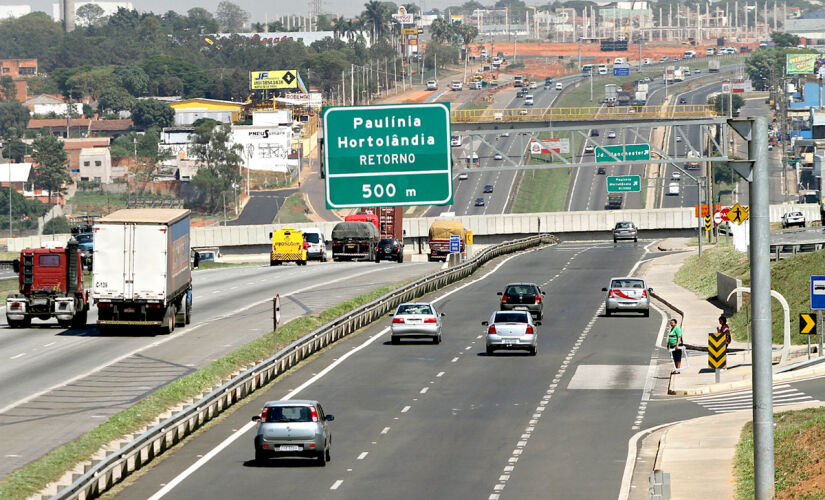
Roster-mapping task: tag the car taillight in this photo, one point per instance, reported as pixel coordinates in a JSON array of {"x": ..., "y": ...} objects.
[
  {"x": 529, "y": 330},
  {"x": 612, "y": 293},
  {"x": 491, "y": 330},
  {"x": 503, "y": 299},
  {"x": 429, "y": 320},
  {"x": 538, "y": 299},
  {"x": 263, "y": 415},
  {"x": 644, "y": 294},
  {"x": 313, "y": 413},
  {"x": 398, "y": 320}
]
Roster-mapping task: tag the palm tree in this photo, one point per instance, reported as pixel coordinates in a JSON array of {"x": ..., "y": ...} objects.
[
  {"x": 440, "y": 31},
  {"x": 377, "y": 18},
  {"x": 467, "y": 34}
]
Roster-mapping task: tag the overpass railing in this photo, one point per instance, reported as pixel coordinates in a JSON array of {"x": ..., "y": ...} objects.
[{"x": 584, "y": 113}]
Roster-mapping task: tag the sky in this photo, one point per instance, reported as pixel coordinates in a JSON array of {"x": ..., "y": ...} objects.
[{"x": 256, "y": 9}]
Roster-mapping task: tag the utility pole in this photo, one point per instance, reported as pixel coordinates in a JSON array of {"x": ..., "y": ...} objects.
[{"x": 352, "y": 85}]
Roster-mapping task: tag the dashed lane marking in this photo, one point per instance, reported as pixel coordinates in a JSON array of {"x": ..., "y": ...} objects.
[
  {"x": 18, "y": 355},
  {"x": 336, "y": 484},
  {"x": 405, "y": 409},
  {"x": 363, "y": 455}
]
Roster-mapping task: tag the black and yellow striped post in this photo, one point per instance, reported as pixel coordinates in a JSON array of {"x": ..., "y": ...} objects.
[{"x": 717, "y": 351}]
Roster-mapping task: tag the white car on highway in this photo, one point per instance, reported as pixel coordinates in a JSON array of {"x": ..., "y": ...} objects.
[
  {"x": 675, "y": 175},
  {"x": 793, "y": 219},
  {"x": 673, "y": 189},
  {"x": 611, "y": 134},
  {"x": 416, "y": 320},
  {"x": 511, "y": 330}
]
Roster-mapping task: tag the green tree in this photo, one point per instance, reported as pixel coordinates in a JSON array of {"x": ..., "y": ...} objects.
[
  {"x": 766, "y": 66},
  {"x": 115, "y": 99},
  {"x": 151, "y": 112},
  {"x": 202, "y": 20},
  {"x": 92, "y": 82},
  {"x": 721, "y": 102},
  {"x": 133, "y": 79},
  {"x": 376, "y": 18},
  {"x": 784, "y": 39},
  {"x": 88, "y": 111},
  {"x": 57, "y": 225},
  {"x": 14, "y": 117},
  {"x": 7, "y": 88},
  {"x": 89, "y": 14},
  {"x": 231, "y": 17},
  {"x": 15, "y": 150},
  {"x": 51, "y": 171},
  {"x": 221, "y": 160}
]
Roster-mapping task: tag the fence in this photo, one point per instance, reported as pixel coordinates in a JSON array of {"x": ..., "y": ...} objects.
[{"x": 119, "y": 464}]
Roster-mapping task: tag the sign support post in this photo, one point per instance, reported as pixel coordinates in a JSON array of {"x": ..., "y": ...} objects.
[{"x": 276, "y": 319}]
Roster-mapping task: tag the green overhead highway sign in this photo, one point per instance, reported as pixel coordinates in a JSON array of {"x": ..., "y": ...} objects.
[
  {"x": 624, "y": 152},
  {"x": 624, "y": 183},
  {"x": 389, "y": 155}
]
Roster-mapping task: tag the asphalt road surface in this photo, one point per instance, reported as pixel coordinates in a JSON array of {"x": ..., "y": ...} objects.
[
  {"x": 262, "y": 207},
  {"x": 56, "y": 384},
  {"x": 447, "y": 421}
]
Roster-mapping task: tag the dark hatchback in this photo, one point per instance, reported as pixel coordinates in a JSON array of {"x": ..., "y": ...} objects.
[
  {"x": 523, "y": 297},
  {"x": 390, "y": 249}
]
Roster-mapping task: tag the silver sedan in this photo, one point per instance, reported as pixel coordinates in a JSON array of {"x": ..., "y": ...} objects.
[
  {"x": 511, "y": 330},
  {"x": 416, "y": 320}
]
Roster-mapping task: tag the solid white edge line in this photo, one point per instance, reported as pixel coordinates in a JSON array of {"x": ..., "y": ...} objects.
[
  {"x": 234, "y": 436},
  {"x": 624, "y": 492}
]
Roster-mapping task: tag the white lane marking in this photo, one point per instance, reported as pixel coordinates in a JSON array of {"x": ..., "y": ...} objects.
[
  {"x": 363, "y": 455},
  {"x": 468, "y": 348},
  {"x": 50, "y": 343},
  {"x": 440, "y": 374},
  {"x": 189, "y": 329},
  {"x": 18, "y": 355},
  {"x": 424, "y": 390},
  {"x": 249, "y": 425},
  {"x": 385, "y": 430},
  {"x": 405, "y": 409},
  {"x": 630, "y": 461},
  {"x": 454, "y": 359},
  {"x": 336, "y": 484}
]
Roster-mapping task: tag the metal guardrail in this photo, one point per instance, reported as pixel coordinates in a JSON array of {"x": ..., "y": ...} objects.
[
  {"x": 584, "y": 113},
  {"x": 155, "y": 441}
]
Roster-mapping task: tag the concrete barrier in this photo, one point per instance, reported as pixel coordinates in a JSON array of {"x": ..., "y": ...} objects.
[{"x": 724, "y": 285}]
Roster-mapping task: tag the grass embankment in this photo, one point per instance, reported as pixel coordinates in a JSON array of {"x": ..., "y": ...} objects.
[
  {"x": 33, "y": 477},
  {"x": 799, "y": 445},
  {"x": 789, "y": 277},
  {"x": 545, "y": 190},
  {"x": 293, "y": 210}
]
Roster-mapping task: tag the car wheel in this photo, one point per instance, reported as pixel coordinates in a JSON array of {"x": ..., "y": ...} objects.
[
  {"x": 260, "y": 457},
  {"x": 321, "y": 459},
  {"x": 271, "y": 263},
  {"x": 489, "y": 351},
  {"x": 328, "y": 455},
  {"x": 533, "y": 350},
  {"x": 401, "y": 259},
  {"x": 646, "y": 313},
  {"x": 437, "y": 339},
  {"x": 64, "y": 323},
  {"x": 635, "y": 240},
  {"x": 607, "y": 312},
  {"x": 394, "y": 340}
]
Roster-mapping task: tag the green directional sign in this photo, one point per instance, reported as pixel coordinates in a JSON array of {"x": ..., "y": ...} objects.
[
  {"x": 624, "y": 152},
  {"x": 387, "y": 155},
  {"x": 624, "y": 183}
]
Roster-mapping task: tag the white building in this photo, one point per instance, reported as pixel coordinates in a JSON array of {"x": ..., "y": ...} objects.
[
  {"x": 95, "y": 165},
  {"x": 109, "y": 8},
  {"x": 10, "y": 11}
]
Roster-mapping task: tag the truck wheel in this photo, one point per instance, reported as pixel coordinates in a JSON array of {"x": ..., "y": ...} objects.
[
  {"x": 64, "y": 323},
  {"x": 401, "y": 259},
  {"x": 79, "y": 320},
  {"x": 19, "y": 323},
  {"x": 169, "y": 319},
  {"x": 188, "y": 314},
  {"x": 271, "y": 262},
  {"x": 180, "y": 317}
]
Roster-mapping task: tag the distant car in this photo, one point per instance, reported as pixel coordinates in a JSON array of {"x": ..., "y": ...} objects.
[
  {"x": 479, "y": 202},
  {"x": 456, "y": 85},
  {"x": 697, "y": 71},
  {"x": 594, "y": 133},
  {"x": 528, "y": 100},
  {"x": 488, "y": 188},
  {"x": 523, "y": 297},
  {"x": 588, "y": 149},
  {"x": 611, "y": 134},
  {"x": 793, "y": 219},
  {"x": 678, "y": 138},
  {"x": 522, "y": 112},
  {"x": 416, "y": 320},
  {"x": 532, "y": 85},
  {"x": 627, "y": 294},
  {"x": 548, "y": 86},
  {"x": 600, "y": 171},
  {"x": 455, "y": 141},
  {"x": 647, "y": 79},
  {"x": 511, "y": 330},
  {"x": 682, "y": 100},
  {"x": 293, "y": 428},
  {"x": 498, "y": 156},
  {"x": 548, "y": 79},
  {"x": 625, "y": 230},
  {"x": 432, "y": 85},
  {"x": 673, "y": 189},
  {"x": 664, "y": 58},
  {"x": 505, "y": 134},
  {"x": 463, "y": 176},
  {"x": 675, "y": 175},
  {"x": 559, "y": 86},
  {"x": 389, "y": 249}
]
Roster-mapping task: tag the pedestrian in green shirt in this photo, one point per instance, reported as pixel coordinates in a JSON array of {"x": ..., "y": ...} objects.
[{"x": 674, "y": 343}]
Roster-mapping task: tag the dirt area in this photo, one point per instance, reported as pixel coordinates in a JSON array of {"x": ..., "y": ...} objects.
[{"x": 591, "y": 52}]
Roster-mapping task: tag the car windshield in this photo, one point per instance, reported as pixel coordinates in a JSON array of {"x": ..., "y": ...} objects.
[
  {"x": 510, "y": 317},
  {"x": 289, "y": 414},
  {"x": 415, "y": 309},
  {"x": 516, "y": 290},
  {"x": 83, "y": 238},
  {"x": 312, "y": 237},
  {"x": 627, "y": 283},
  {"x": 624, "y": 225}
]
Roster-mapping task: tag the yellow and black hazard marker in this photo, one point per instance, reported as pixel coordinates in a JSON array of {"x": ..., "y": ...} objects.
[
  {"x": 708, "y": 222},
  {"x": 717, "y": 351},
  {"x": 807, "y": 324}
]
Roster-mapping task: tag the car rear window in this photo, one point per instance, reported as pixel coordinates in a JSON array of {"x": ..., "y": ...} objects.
[
  {"x": 627, "y": 283},
  {"x": 289, "y": 414},
  {"x": 516, "y": 290},
  {"x": 624, "y": 225},
  {"x": 510, "y": 317},
  {"x": 415, "y": 309},
  {"x": 311, "y": 237}
]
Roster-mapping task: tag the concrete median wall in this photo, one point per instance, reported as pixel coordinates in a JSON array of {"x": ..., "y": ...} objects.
[{"x": 724, "y": 286}]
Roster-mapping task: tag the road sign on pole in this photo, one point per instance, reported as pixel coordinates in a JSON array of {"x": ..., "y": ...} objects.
[
  {"x": 717, "y": 351},
  {"x": 807, "y": 324},
  {"x": 619, "y": 71},
  {"x": 708, "y": 222},
  {"x": 624, "y": 183},
  {"x": 455, "y": 243},
  {"x": 738, "y": 213},
  {"x": 717, "y": 218},
  {"x": 817, "y": 292},
  {"x": 387, "y": 155},
  {"x": 623, "y": 152}
]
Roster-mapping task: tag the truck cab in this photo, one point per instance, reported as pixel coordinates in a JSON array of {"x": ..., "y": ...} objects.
[{"x": 288, "y": 245}]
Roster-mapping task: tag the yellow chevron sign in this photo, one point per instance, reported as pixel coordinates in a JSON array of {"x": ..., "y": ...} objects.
[
  {"x": 717, "y": 351},
  {"x": 708, "y": 222},
  {"x": 807, "y": 324}
]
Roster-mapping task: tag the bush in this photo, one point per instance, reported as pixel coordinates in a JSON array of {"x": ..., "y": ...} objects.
[{"x": 58, "y": 225}]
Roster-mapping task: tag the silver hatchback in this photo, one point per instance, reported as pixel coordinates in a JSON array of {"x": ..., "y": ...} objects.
[
  {"x": 627, "y": 294},
  {"x": 511, "y": 330},
  {"x": 293, "y": 428},
  {"x": 416, "y": 320}
]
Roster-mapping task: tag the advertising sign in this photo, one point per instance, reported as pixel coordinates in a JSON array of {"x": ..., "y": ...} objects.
[
  {"x": 313, "y": 99},
  {"x": 800, "y": 64},
  {"x": 738, "y": 86},
  {"x": 402, "y": 17},
  {"x": 409, "y": 31},
  {"x": 264, "y": 147},
  {"x": 264, "y": 80},
  {"x": 546, "y": 146}
]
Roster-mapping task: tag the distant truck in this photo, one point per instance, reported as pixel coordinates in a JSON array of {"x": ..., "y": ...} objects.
[
  {"x": 439, "y": 238},
  {"x": 390, "y": 220},
  {"x": 640, "y": 98},
  {"x": 610, "y": 94},
  {"x": 678, "y": 75},
  {"x": 50, "y": 286},
  {"x": 713, "y": 66},
  {"x": 668, "y": 75},
  {"x": 288, "y": 245},
  {"x": 354, "y": 240},
  {"x": 518, "y": 81},
  {"x": 364, "y": 217},
  {"x": 693, "y": 162},
  {"x": 614, "y": 201},
  {"x": 141, "y": 272}
]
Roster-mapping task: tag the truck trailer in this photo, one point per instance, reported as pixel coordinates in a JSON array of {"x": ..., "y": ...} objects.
[
  {"x": 141, "y": 271},
  {"x": 50, "y": 286},
  {"x": 439, "y": 238},
  {"x": 354, "y": 240}
]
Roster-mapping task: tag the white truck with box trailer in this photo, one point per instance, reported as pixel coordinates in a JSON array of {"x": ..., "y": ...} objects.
[
  {"x": 141, "y": 271},
  {"x": 713, "y": 66},
  {"x": 610, "y": 94}
]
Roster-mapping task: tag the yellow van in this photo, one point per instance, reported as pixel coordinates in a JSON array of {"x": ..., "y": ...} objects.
[{"x": 288, "y": 246}]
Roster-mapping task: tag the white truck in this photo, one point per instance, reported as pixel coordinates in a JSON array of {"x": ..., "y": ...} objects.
[
  {"x": 713, "y": 66},
  {"x": 141, "y": 274},
  {"x": 610, "y": 94},
  {"x": 667, "y": 76},
  {"x": 640, "y": 98},
  {"x": 678, "y": 75}
]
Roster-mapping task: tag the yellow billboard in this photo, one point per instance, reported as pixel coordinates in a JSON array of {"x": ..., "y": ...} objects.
[{"x": 281, "y": 79}]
